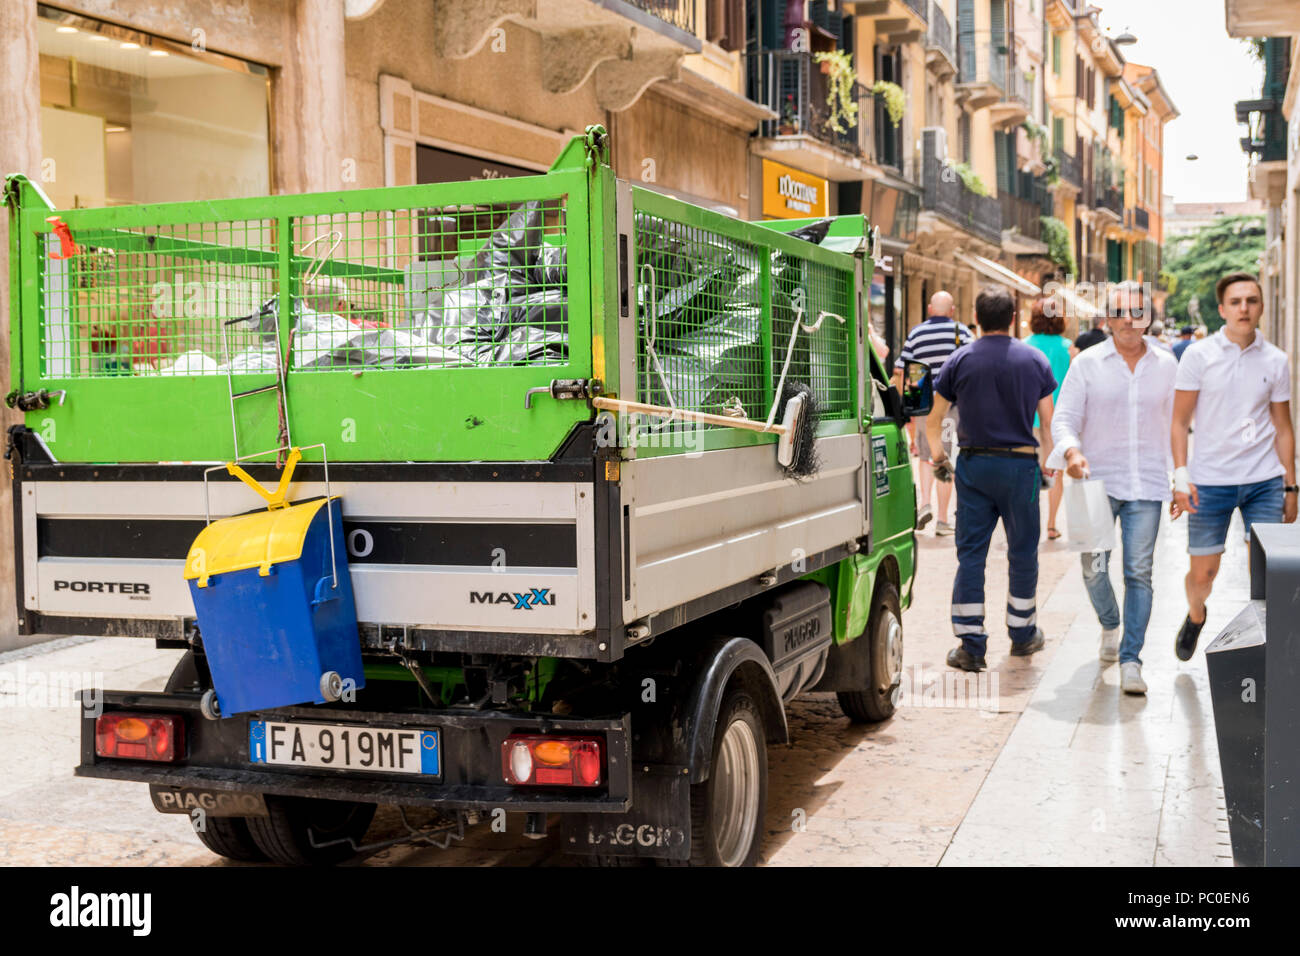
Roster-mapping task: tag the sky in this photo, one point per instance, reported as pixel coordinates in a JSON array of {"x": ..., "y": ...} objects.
[{"x": 1205, "y": 72}]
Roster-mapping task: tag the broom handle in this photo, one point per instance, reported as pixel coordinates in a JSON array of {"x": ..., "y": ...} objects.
[{"x": 660, "y": 411}]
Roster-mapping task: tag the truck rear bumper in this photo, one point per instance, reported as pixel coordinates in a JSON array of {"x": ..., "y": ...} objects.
[{"x": 217, "y": 758}]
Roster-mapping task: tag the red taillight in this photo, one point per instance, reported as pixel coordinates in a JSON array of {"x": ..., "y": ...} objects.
[
  {"x": 155, "y": 737},
  {"x": 538, "y": 761}
]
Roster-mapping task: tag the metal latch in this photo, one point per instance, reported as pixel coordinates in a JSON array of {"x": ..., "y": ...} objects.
[
  {"x": 33, "y": 401},
  {"x": 561, "y": 388}
]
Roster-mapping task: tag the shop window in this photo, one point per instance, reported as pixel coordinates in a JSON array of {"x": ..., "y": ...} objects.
[{"x": 131, "y": 118}]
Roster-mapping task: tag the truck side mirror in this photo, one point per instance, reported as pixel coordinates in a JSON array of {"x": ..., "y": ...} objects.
[{"x": 918, "y": 388}]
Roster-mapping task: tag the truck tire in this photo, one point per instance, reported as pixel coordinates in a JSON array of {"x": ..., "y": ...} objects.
[
  {"x": 224, "y": 836},
  {"x": 884, "y": 649},
  {"x": 283, "y": 835},
  {"x": 229, "y": 837},
  {"x": 727, "y": 809}
]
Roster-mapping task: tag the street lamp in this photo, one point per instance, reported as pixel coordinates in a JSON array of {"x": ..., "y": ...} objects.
[{"x": 1125, "y": 39}]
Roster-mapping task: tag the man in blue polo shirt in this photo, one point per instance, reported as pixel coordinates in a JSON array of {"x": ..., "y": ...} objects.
[{"x": 998, "y": 383}]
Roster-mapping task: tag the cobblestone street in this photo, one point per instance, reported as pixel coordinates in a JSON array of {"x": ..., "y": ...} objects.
[{"x": 1045, "y": 762}]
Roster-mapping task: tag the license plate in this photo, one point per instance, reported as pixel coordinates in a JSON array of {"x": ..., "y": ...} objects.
[{"x": 345, "y": 747}]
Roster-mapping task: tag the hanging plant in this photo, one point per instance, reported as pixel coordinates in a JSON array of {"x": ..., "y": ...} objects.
[
  {"x": 895, "y": 99},
  {"x": 1057, "y": 236},
  {"x": 843, "y": 107},
  {"x": 969, "y": 179}
]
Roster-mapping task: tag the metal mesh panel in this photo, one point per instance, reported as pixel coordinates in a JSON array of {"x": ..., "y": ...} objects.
[
  {"x": 478, "y": 286},
  {"x": 724, "y": 310},
  {"x": 464, "y": 286},
  {"x": 151, "y": 301}
]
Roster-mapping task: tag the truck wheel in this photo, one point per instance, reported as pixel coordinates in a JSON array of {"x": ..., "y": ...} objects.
[
  {"x": 283, "y": 835},
  {"x": 229, "y": 837},
  {"x": 884, "y": 650},
  {"x": 727, "y": 809}
]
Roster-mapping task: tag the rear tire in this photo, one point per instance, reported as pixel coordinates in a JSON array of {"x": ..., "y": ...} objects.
[
  {"x": 727, "y": 809},
  {"x": 224, "y": 836},
  {"x": 285, "y": 836},
  {"x": 229, "y": 837},
  {"x": 884, "y": 650}
]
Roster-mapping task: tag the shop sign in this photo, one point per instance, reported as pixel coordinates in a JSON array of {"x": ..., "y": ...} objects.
[{"x": 791, "y": 194}]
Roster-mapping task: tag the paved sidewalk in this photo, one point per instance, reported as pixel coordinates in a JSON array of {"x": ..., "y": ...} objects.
[{"x": 1043, "y": 762}]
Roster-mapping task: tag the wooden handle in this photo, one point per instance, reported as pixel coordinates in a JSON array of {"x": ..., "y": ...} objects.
[{"x": 662, "y": 411}]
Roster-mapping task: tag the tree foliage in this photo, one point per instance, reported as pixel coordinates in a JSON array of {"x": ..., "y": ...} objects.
[{"x": 1229, "y": 244}]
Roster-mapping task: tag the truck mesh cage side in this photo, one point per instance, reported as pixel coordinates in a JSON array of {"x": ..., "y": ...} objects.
[
  {"x": 476, "y": 286},
  {"x": 723, "y": 313}
]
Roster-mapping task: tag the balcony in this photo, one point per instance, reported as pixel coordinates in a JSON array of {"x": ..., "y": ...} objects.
[
  {"x": 1109, "y": 199},
  {"x": 896, "y": 21},
  {"x": 1141, "y": 219},
  {"x": 944, "y": 194},
  {"x": 887, "y": 139},
  {"x": 981, "y": 71},
  {"x": 795, "y": 88},
  {"x": 1267, "y": 125},
  {"x": 940, "y": 51},
  {"x": 622, "y": 46},
  {"x": 1262, "y": 18},
  {"x": 1070, "y": 168},
  {"x": 1017, "y": 99}
]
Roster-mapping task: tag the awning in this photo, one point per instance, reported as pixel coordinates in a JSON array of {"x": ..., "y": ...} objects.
[{"x": 998, "y": 273}]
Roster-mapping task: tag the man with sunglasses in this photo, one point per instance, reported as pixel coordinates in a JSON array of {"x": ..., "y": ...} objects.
[
  {"x": 1238, "y": 387},
  {"x": 1115, "y": 398}
]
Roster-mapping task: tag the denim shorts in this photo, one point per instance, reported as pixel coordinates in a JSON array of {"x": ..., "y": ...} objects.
[{"x": 1207, "y": 528}]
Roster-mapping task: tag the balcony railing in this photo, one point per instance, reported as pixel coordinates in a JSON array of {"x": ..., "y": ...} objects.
[
  {"x": 1018, "y": 87},
  {"x": 1267, "y": 124},
  {"x": 793, "y": 86},
  {"x": 944, "y": 193},
  {"x": 919, "y": 7},
  {"x": 680, "y": 13},
  {"x": 939, "y": 35},
  {"x": 979, "y": 61},
  {"x": 1023, "y": 215},
  {"x": 1109, "y": 197},
  {"x": 1069, "y": 167},
  {"x": 1141, "y": 218}
]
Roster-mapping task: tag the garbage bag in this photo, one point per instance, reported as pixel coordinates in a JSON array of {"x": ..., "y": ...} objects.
[
  {"x": 191, "y": 363},
  {"x": 1090, "y": 521}
]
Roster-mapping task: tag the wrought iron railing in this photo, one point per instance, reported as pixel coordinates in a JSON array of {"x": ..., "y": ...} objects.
[
  {"x": 943, "y": 192},
  {"x": 679, "y": 13},
  {"x": 1109, "y": 197},
  {"x": 1141, "y": 218},
  {"x": 939, "y": 35},
  {"x": 794, "y": 87},
  {"x": 1023, "y": 215},
  {"x": 888, "y": 138},
  {"x": 1069, "y": 167},
  {"x": 981, "y": 61},
  {"x": 1018, "y": 87},
  {"x": 919, "y": 7}
]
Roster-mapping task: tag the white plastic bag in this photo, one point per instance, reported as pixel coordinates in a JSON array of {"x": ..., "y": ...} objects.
[{"x": 1089, "y": 518}]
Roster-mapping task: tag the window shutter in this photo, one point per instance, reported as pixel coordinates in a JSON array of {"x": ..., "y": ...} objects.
[
  {"x": 817, "y": 13},
  {"x": 1056, "y": 54},
  {"x": 1058, "y": 133},
  {"x": 966, "y": 39}
]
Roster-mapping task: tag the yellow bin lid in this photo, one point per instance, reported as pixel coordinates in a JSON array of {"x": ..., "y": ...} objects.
[{"x": 251, "y": 541}]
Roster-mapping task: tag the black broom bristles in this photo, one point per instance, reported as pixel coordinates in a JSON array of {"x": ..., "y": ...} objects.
[{"x": 805, "y": 461}]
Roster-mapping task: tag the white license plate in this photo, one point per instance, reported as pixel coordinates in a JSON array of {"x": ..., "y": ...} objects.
[{"x": 345, "y": 747}]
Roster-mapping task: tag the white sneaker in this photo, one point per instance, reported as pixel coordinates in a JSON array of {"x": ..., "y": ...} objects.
[
  {"x": 1130, "y": 678},
  {"x": 923, "y": 517},
  {"x": 1110, "y": 643}
]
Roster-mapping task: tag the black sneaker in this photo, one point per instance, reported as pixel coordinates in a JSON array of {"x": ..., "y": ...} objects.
[
  {"x": 964, "y": 660},
  {"x": 1030, "y": 646},
  {"x": 1188, "y": 634}
]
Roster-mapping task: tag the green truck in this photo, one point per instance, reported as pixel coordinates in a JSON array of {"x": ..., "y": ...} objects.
[{"x": 594, "y": 542}]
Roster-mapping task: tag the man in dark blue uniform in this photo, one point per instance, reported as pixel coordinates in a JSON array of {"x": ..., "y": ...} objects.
[{"x": 997, "y": 383}]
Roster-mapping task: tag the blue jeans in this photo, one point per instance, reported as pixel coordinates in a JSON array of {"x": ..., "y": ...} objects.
[
  {"x": 988, "y": 488},
  {"x": 1139, "y": 523},
  {"x": 1207, "y": 529}
]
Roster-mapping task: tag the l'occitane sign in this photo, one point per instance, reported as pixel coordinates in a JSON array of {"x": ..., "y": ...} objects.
[{"x": 791, "y": 194}]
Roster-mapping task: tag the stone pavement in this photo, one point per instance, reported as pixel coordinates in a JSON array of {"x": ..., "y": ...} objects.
[{"x": 1044, "y": 761}]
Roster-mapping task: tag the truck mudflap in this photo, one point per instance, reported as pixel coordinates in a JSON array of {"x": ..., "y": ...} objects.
[{"x": 218, "y": 758}]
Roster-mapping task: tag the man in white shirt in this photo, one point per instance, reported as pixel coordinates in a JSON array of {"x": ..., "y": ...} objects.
[
  {"x": 1239, "y": 388},
  {"x": 1115, "y": 397}
]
